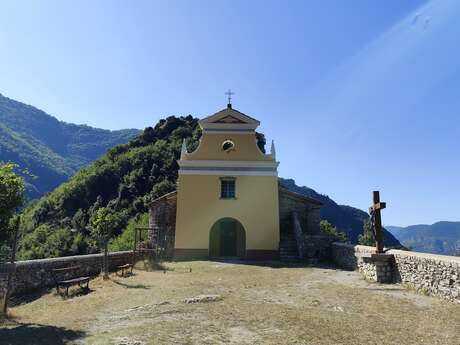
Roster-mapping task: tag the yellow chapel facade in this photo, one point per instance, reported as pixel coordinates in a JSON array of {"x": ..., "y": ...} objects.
[
  {"x": 228, "y": 202},
  {"x": 227, "y": 192}
]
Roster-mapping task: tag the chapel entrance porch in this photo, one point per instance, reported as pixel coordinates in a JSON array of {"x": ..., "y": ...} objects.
[{"x": 227, "y": 239}]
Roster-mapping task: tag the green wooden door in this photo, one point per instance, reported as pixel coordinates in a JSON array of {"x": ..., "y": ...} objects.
[{"x": 228, "y": 238}]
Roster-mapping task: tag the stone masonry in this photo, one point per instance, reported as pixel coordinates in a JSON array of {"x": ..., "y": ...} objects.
[
  {"x": 436, "y": 275},
  {"x": 377, "y": 267},
  {"x": 162, "y": 223},
  {"x": 32, "y": 275},
  {"x": 308, "y": 210}
]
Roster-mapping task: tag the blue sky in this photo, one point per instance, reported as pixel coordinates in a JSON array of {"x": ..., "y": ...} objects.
[{"x": 358, "y": 95}]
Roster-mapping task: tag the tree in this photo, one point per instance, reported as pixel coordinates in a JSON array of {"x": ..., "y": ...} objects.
[
  {"x": 160, "y": 189},
  {"x": 367, "y": 237},
  {"x": 125, "y": 241},
  {"x": 12, "y": 189},
  {"x": 11, "y": 270},
  {"x": 103, "y": 222},
  {"x": 330, "y": 230}
]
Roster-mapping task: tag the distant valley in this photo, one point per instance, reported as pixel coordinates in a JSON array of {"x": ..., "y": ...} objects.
[{"x": 438, "y": 238}]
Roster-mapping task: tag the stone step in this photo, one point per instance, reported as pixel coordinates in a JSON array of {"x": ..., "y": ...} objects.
[
  {"x": 290, "y": 259},
  {"x": 287, "y": 234},
  {"x": 288, "y": 248},
  {"x": 288, "y": 253},
  {"x": 288, "y": 244},
  {"x": 288, "y": 239}
]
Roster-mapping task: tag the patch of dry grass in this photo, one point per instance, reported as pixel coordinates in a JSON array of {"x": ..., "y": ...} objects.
[{"x": 257, "y": 305}]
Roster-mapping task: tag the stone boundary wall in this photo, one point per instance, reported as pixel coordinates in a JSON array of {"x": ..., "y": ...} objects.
[
  {"x": 436, "y": 275},
  {"x": 36, "y": 274},
  {"x": 351, "y": 257}
]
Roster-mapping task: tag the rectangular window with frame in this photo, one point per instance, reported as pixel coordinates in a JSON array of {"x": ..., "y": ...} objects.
[{"x": 227, "y": 188}]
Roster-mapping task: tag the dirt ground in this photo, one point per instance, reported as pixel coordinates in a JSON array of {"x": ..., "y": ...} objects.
[{"x": 248, "y": 304}]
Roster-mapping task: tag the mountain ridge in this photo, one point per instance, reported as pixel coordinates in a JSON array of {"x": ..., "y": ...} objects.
[
  {"x": 48, "y": 148},
  {"x": 441, "y": 237}
]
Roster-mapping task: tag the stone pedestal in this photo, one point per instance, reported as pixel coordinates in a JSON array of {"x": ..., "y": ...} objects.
[{"x": 381, "y": 266}]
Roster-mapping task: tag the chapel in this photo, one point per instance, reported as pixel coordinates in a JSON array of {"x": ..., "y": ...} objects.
[{"x": 228, "y": 202}]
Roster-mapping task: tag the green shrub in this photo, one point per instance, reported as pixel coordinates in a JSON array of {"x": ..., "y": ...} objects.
[
  {"x": 330, "y": 230},
  {"x": 367, "y": 237},
  {"x": 126, "y": 240},
  {"x": 45, "y": 242}
]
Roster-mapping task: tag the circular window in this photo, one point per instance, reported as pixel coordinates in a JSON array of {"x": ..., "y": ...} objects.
[{"x": 228, "y": 145}]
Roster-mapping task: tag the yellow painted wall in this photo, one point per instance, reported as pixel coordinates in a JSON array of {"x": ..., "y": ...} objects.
[
  {"x": 199, "y": 206},
  {"x": 210, "y": 148}
]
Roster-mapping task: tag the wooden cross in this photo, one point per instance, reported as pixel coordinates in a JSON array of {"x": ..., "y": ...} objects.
[
  {"x": 229, "y": 93},
  {"x": 374, "y": 211}
]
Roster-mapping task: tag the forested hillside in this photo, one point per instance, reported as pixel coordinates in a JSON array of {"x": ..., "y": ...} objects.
[
  {"x": 51, "y": 150},
  {"x": 124, "y": 179},
  {"x": 346, "y": 218},
  {"x": 438, "y": 238}
]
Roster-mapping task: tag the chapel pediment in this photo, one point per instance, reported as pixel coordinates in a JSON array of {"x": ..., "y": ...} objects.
[{"x": 229, "y": 119}]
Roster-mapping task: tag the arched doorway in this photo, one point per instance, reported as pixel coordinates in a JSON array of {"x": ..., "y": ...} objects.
[{"x": 227, "y": 238}]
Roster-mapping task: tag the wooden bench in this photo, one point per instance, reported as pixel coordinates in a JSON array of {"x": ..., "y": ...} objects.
[
  {"x": 59, "y": 276},
  {"x": 124, "y": 268}
]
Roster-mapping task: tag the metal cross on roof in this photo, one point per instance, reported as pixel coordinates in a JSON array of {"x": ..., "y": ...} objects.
[{"x": 229, "y": 93}]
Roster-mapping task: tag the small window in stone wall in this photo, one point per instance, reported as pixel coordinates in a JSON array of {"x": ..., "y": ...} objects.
[{"x": 227, "y": 188}]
